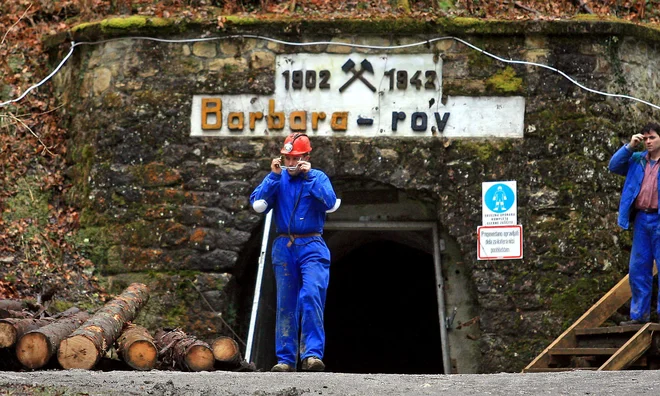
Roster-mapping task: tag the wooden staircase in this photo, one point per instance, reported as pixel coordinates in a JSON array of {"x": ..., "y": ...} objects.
[{"x": 587, "y": 346}]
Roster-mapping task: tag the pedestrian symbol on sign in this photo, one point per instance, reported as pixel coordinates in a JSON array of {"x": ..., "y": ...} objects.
[{"x": 499, "y": 198}]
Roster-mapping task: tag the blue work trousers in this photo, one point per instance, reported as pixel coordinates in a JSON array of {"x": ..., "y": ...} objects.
[
  {"x": 302, "y": 273},
  {"x": 645, "y": 248}
]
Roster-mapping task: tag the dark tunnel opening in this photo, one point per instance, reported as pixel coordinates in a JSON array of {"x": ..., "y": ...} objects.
[{"x": 382, "y": 313}]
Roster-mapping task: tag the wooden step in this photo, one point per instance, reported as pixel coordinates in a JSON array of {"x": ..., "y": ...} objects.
[
  {"x": 631, "y": 350},
  {"x": 630, "y": 342},
  {"x": 613, "y": 329},
  {"x": 583, "y": 351},
  {"x": 557, "y": 369}
]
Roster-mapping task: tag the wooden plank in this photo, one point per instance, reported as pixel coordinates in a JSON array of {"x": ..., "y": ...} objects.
[
  {"x": 630, "y": 351},
  {"x": 608, "y": 330},
  {"x": 557, "y": 369},
  {"x": 583, "y": 351},
  {"x": 594, "y": 317},
  {"x": 614, "y": 329}
]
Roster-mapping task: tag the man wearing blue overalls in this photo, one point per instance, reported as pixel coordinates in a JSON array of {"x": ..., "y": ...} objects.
[
  {"x": 639, "y": 204},
  {"x": 301, "y": 196}
]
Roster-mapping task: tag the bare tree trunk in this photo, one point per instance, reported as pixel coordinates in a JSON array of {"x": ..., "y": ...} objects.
[
  {"x": 184, "y": 351},
  {"x": 88, "y": 344},
  {"x": 35, "y": 348},
  {"x": 136, "y": 347},
  {"x": 11, "y": 329},
  {"x": 227, "y": 353}
]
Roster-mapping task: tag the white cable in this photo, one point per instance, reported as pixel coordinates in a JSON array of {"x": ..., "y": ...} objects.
[
  {"x": 377, "y": 47},
  {"x": 44, "y": 80}
]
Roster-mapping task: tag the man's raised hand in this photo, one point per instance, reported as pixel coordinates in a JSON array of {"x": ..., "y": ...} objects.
[
  {"x": 635, "y": 140},
  {"x": 275, "y": 165}
]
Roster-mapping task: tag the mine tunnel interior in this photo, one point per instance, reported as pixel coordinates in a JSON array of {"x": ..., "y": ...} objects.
[{"x": 381, "y": 312}]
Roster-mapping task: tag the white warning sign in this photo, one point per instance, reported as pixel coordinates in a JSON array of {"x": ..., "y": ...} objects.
[{"x": 499, "y": 242}]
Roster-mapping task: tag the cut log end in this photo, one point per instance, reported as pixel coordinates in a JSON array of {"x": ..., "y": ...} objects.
[
  {"x": 226, "y": 350},
  {"x": 142, "y": 355},
  {"x": 200, "y": 358},
  {"x": 7, "y": 335},
  {"x": 32, "y": 350},
  {"x": 77, "y": 352}
]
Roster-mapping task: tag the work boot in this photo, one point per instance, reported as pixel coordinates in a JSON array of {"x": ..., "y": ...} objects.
[
  {"x": 313, "y": 363},
  {"x": 283, "y": 368},
  {"x": 632, "y": 322}
]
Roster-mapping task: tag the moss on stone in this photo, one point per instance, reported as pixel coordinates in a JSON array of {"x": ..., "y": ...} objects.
[
  {"x": 467, "y": 21},
  {"x": 573, "y": 300},
  {"x": 82, "y": 157},
  {"x": 591, "y": 17},
  {"x": 140, "y": 233},
  {"x": 117, "y": 27},
  {"x": 477, "y": 60},
  {"x": 85, "y": 25},
  {"x": 160, "y": 22},
  {"x": 484, "y": 150},
  {"x": 506, "y": 81},
  {"x": 241, "y": 20},
  {"x": 112, "y": 100},
  {"x": 132, "y": 22},
  {"x": 93, "y": 243}
]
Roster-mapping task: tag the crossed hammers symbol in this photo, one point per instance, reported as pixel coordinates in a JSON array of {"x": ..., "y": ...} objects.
[{"x": 350, "y": 66}]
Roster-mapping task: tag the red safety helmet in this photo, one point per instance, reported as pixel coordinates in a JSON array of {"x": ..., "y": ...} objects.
[{"x": 296, "y": 144}]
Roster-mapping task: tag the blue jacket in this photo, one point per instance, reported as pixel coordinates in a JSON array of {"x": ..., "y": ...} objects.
[
  {"x": 311, "y": 195},
  {"x": 630, "y": 164}
]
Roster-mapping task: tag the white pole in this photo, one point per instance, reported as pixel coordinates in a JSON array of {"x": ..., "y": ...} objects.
[{"x": 257, "y": 286}]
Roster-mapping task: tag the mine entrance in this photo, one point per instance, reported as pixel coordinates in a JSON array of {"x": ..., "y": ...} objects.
[
  {"x": 385, "y": 301},
  {"x": 381, "y": 310}
]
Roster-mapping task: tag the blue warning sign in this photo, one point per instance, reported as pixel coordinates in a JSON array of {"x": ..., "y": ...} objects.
[
  {"x": 500, "y": 198},
  {"x": 499, "y": 203}
]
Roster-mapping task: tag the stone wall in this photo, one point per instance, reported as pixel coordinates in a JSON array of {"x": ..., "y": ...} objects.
[{"x": 172, "y": 210}]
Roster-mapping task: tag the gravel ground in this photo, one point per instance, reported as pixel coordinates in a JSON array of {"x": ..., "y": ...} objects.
[{"x": 75, "y": 382}]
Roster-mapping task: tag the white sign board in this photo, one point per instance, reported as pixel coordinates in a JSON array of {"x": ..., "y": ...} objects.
[
  {"x": 499, "y": 242},
  {"x": 357, "y": 95},
  {"x": 499, "y": 203}
]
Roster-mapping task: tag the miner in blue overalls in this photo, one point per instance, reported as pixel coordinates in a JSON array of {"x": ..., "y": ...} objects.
[
  {"x": 639, "y": 206},
  {"x": 301, "y": 196}
]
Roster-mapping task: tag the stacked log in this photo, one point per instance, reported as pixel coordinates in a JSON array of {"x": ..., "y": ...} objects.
[
  {"x": 35, "y": 348},
  {"x": 136, "y": 347},
  {"x": 11, "y": 329},
  {"x": 17, "y": 305},
  {"x": 88, "y": 344},
  {"x": 184, "y": 351},
  {"x": 81, "y": 341},
  {"x": 8, "y": 313},
  {"x": 227, "y": 353}
]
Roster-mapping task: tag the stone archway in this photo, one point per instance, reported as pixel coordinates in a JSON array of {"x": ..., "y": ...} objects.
[{"x": 390, "y": 280}]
